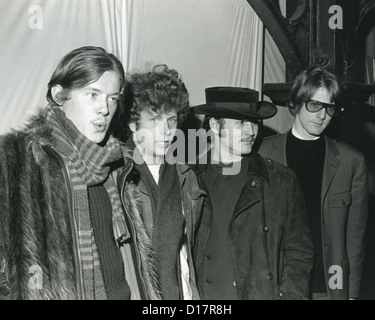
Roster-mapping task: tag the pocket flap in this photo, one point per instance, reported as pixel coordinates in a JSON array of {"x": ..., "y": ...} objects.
[{"x": 341, "y": 199}]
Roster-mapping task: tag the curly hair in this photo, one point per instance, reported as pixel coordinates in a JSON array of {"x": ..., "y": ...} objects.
[{"x": 161, "y": 90}]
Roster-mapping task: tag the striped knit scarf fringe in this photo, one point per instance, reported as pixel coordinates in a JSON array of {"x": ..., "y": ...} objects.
[{"x": 88, "y": 164}]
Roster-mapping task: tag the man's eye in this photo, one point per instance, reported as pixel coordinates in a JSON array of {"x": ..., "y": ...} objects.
[
  {"x": 93, "y": 95},
  {"x": 114, "y": 99},
  {"x": 316, "y": 104},
  {"x": 174, "y": 120}
]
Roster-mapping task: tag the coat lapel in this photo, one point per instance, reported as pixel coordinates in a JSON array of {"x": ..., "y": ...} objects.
[
  {"x": 190, "y": 194},
  {"x": 331, "y": 165},
  {"x": 252, "y": 193},
  {"x": 248, "y": 198},
  {"x": 278, "y": 149}
]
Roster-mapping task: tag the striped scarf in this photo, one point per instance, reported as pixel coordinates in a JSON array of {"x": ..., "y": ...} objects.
[{"x": 88, "y": 164}]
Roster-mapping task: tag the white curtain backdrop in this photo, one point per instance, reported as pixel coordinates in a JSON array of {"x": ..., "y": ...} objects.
[
  {"x": 29, "y": 56},
  {"x": 274, "y": 72},
  {"x": 210, "y": 42}
]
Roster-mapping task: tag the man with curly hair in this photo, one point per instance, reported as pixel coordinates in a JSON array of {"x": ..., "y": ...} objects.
[{"x": 170, "y": 200}]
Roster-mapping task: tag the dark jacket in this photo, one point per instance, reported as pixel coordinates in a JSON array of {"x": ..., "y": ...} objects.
[
  {"x": 37, "y": 224},
  {"x": 191, "y": 202},
  {"x": 270, "y": 239},
  {"x": 344, "y": 207}
]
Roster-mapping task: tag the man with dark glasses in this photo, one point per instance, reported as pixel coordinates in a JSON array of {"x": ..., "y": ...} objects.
[
  {"x": 314, "y": 106},
  {"x": 333, "y": 177}
]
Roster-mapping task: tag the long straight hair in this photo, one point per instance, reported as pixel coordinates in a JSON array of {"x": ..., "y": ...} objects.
[{"x": 82, "y": 67}]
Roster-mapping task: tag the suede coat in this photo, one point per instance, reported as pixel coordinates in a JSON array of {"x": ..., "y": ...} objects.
[
  {"x": 39, "y": 255},
  {"x": 344, "y": 210},
  {"x": 270, "y": 241}
]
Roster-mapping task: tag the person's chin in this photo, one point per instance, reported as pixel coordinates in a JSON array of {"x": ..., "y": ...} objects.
[
  {"x": 316, "y": 132},
  {"x": 160, "y": 152},
  {"x": 246, "y": 150},
  {"x": 97, "y": 138}
]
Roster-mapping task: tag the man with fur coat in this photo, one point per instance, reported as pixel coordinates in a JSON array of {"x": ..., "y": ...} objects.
[{"x": 66, "y": 231}]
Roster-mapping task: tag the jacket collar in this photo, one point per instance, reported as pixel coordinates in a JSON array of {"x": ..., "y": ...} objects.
[
  {"x": 238, "y": 180},
  {"x": 279, "y": 147},
  {"x": 256, "y": 166},
  {"x": 331, "y": 147},
  {"x": 331, "y": 164},
  {"x": 331, "y": 161}
]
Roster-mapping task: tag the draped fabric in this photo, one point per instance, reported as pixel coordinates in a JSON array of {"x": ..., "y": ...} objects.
[
  {"x": 210, "y": 42},
  {"x": 274, "y": 72}
]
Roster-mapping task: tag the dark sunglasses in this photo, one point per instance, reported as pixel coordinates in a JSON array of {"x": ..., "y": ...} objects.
[{"x": 316, "y": 106}]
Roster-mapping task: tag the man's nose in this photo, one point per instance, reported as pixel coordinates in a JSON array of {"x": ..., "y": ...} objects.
[
  {"x": 249, "y": 128},
  {"x": 322, "y": 114},
  {"x": 164, "y": 127},
  {"x": 102, "y": 106}
]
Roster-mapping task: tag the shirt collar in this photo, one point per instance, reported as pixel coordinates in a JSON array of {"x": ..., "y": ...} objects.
[
  {"x": 252, "y": 164},
  {"x": 297, "y": 135}
]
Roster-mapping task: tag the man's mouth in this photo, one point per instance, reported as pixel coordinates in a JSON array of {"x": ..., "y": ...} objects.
[
  {"x": 163, "y": 143},
  {"x": 319, "y": 124},
  {"x": 249, "y": 140},
  {"x": 100, "y": 126}
]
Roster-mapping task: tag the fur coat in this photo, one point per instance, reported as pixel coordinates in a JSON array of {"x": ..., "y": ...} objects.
[{"x": 39, "y": 256}]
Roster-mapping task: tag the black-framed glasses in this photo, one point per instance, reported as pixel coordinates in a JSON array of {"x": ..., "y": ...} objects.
[{"x": 315, "y": 106}]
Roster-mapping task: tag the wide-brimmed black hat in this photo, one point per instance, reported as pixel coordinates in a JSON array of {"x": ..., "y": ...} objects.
[{"x": 235, "y": 103}]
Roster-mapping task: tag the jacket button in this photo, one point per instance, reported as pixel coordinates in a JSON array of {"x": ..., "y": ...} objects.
[
  {"x": 265, "y": 228},
  {"x": 343, "y": 202},
  {"x": 254, "y": 184},
  {"x": 234, "y": 283},
  {"x": 208, "y": 280},
  {"x": 208, "y": 257},
  {"x": 270, "y": 276}
]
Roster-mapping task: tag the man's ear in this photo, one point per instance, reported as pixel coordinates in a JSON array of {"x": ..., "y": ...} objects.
[
  {"x": 133, "y": 127},
  {"x": 292, "y": 108},
  {"x": 57, "y": 94},
  {"x": 214, "y": 125}
]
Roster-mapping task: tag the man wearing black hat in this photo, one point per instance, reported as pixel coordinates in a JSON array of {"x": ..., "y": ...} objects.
[{"x": 254, "y": 241}]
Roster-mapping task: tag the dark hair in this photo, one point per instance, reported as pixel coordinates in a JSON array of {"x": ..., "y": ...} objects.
[
  {"x": 160, "y": 90},
  {"x": 83, "y": 66},
  {"x": 308, "y": 83}
]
